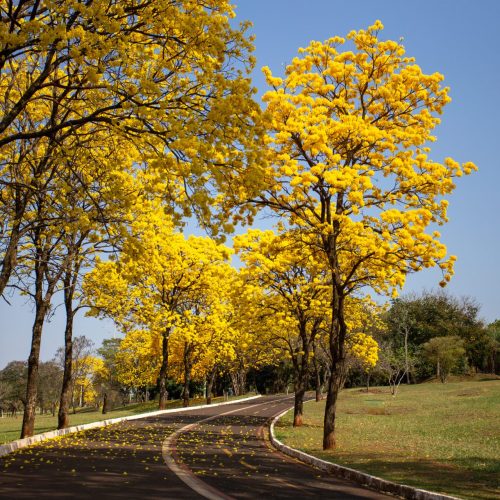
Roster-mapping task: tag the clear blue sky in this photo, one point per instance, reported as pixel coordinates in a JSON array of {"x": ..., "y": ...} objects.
[{"x": 455, "y": 37}]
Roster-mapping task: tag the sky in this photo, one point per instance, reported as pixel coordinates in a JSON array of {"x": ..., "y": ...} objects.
[{"x": 459, "y": 39}]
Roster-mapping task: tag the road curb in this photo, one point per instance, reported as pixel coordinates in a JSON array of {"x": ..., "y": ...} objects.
[
  {"x": 372, "y": 482},
  {"x": 37, "y": 438}
]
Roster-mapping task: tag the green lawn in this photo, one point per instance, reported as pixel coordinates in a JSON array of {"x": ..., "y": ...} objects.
[
  {"x": 440, "y": 437},
  {"x": 10, "y": 427}
]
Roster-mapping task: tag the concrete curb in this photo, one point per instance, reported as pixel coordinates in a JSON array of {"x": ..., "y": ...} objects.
[
  {"x": 37, "y": 438},
  {"x": 372, "y": 482}
]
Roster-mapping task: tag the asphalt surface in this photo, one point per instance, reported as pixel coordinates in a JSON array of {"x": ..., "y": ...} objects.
[{"x": 214, "y": 452}]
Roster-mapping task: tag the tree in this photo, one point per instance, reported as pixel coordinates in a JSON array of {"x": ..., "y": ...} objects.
[
  {"x": 170, "y": 77},
  {"x": 138, "y": 360},
  {"x": 493, "y": 332},
  {"x": 158, "y": 280},
  {"x": 82, "y": 349},
  {"x": 393, "y": 363},
  {"x": 106, "y": 375},
  {"x": 350, "y": 168},
  {"x": 445, "y": 353},
  {"x": 13, "y": 377},
  {"x": 439, "y": 314},
  {"x": 404, "y": 321},
  {"x": 166, "y": 80},
  {"x": 294, "y": 297},
  {"x": 49, "y": 386}
]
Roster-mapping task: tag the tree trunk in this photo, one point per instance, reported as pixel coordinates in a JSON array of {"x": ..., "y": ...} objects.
[
  {"x": 368, "y": 375},
  {"x": 66, "y": 390},
  {"x": 31, "y": 386},
  {"x": 317, "y": 376},
  {"x": 334, "y": 386},
  {"x": 238, "y": 380},
  {"x": 164, "y": 370},
  {"x": 210, "y": 385},
  {"x": 298, "y": 407},
  {"x": 301, "y": 365},
  {"x": 105, "y": 404},
  {"x": 337, "y": 335},
  {"x": 187, "y": 374},
  {"x": 9, "y": 260}
]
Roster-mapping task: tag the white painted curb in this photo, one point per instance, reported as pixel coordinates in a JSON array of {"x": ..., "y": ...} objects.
[
  {"x": 373, "y": 482},
  {"x": 23, "y": 443}
]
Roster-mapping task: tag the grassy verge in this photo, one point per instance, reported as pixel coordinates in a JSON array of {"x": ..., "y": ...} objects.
[
  {"x": 10, "y": 427},
  {"x": 438, "y": 437}
]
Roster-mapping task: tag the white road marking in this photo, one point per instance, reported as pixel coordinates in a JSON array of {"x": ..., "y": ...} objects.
[{"x": 183, "y": 472}]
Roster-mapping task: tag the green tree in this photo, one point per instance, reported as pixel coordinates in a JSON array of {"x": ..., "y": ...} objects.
[{"x": 445, "y": 353}]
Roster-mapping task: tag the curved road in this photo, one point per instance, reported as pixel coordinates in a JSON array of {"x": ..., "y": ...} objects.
[{"x": 214, "y": 452}]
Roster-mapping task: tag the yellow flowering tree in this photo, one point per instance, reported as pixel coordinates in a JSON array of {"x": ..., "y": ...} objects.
[
  {"x": 159, "y": 279},
  {"x": 204, "y": 341},
  {"x": 168, "y": 77},
  {"x": 159, "y": 87},
  {"x": 295, "y": 297},
  {"x": 138, "y": 359},
  {"x": 349, "y": 135}
]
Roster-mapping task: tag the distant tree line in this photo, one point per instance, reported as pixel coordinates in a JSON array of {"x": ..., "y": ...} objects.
[{"x": 432, "y": 334}]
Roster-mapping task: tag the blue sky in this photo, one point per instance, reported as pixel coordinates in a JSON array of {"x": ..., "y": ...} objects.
[{"x": 455, "y": 37}]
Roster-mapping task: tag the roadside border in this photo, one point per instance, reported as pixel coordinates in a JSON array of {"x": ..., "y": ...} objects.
[
  {"x": 372, "y": 482},
  {"x": 7, "y": 448}
]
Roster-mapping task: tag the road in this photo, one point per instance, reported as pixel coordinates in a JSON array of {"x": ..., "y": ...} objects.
[{"x": 215, "y": 452}]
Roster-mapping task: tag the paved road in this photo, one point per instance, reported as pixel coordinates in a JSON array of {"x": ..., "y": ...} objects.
[{"x": 217, "y": 452}]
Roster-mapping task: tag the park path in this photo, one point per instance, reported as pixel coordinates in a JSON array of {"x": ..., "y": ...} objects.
[{"x": 221, "y": 452}]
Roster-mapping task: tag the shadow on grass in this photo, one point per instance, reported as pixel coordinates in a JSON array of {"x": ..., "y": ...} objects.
[{"x": 475, "y": 477}]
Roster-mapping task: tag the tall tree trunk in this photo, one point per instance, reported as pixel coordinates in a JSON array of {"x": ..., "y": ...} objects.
[
  {"x": 66, "y": 390},
  {"x": 187, "y": 374},
  {"x": 317, "y": 375},
  {"x": 298, "y": 407},
  {"x": 338, "y": 331},
  {"x": 33, "y": 360},
  {"x": 105, "y": 404},
  {"x": 164, "y": 370},
  {"x": 210, "y": 384},
  {"x": 334, "y": 386},
  {"x": 301, "y": 366}
]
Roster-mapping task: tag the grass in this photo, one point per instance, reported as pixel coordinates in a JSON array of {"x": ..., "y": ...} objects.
[
  {"x": 10, "y": 427},
  {"x": 439, "y": 437}
]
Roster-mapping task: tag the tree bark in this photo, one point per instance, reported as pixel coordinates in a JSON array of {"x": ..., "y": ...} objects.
[
  {"x": 334, "y": 386},
  {"x": 187, "y": 374},
  {"x": 317, "y": 376},
  {"x": 298, "y": 407},
  {"x": 210, "y": 384},
  {"x": 337, "y": 335},
  {"x": 164, "y": 370},
  {"x": 42, "y": 304},
  {"x": 105, "y": 404},
  {"x": 9, "y": 260},
  {"x": 66, "y": 390},
  {"x": 31, "y": 386}
]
